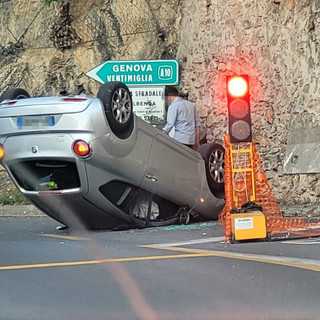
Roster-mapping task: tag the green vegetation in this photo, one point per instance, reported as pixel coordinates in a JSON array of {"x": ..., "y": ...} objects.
[
  {"x": 48, "y": 2},
  {"x": 13, "y": 199}
]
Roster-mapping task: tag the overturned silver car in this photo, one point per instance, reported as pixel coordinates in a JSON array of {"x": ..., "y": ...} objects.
[{"x": 90, "y": 161}]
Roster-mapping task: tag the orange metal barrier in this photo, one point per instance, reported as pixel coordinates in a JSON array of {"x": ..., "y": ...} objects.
[{"x": 245, "y": 181}]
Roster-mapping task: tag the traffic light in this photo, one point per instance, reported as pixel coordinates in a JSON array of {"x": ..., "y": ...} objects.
[{"x": 239, "y": 108}]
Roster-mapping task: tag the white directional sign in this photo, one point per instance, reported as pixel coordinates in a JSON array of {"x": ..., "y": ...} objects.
[{"x": 148, "y": 102}]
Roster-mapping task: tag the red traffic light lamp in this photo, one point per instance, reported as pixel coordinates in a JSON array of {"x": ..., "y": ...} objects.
[
  {"x": 239, "y": 108},
  {"x": 237, "y": 86}
]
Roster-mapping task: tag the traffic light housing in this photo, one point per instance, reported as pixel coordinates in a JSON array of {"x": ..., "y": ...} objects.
[{"x": 239, "y": 108}]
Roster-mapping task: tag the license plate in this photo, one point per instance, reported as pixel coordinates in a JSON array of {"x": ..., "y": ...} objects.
[{"x": 35, "y": 121}]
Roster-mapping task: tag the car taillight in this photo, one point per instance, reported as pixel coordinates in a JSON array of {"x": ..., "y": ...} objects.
[
  {"x": 1, "y": 152},
  {"x": 81, "y": 148}
]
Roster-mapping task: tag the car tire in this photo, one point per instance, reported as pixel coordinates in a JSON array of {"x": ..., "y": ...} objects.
[
  {"x": 184, "y": 215},
  {"x": 14, "y": 94},
  {"x": 184, "y": 218},
  {"x": 213, "y": 156},
  {"x": 118, "y": 107}
]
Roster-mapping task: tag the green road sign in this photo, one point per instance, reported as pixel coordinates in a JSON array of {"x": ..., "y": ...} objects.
[{"x": 141, "y": 72}]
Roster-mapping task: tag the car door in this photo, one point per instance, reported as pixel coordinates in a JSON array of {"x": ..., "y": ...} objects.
[{"x": 173, "y": 171}]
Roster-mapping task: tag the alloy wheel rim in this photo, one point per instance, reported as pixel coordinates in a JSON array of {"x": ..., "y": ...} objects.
[
  {"x": 216, "y": 165},
  {"x": 121, "y": 105}
]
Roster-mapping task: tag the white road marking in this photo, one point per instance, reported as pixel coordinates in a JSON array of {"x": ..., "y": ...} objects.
[
  {"x": 302, "y": 242},
  {"x": 188, "y": 242}
]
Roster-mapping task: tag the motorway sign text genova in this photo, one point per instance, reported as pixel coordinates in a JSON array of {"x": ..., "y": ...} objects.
[{"x": 140, "y": 72}]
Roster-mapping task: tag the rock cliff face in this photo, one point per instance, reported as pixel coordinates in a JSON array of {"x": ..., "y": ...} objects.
[{"x": 47, "y": 50}]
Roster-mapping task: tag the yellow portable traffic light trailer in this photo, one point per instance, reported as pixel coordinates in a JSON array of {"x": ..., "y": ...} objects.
[
  {"x": 246, "y": 185},
  {"x": 251, "y": 210}
]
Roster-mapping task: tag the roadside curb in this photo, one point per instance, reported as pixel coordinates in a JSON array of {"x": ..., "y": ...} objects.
[
  {"x": 20, "y": 210},
  {"x": 307, "y": 211}
]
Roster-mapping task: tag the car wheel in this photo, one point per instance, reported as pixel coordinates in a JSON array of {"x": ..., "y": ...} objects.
[
  {"x": 117, "y": 102},
  {"x": 184, "y": 218},
  {"x": 213, "y": 156},
  {"x": 184, "y": 215},
  {"x": 14, "y": 94}
]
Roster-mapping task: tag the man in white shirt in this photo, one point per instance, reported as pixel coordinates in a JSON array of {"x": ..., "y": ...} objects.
[{"x": 182, "y": 115}]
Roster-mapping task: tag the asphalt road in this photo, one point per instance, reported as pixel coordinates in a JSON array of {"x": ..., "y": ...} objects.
[{"x": 176, "y": 272}]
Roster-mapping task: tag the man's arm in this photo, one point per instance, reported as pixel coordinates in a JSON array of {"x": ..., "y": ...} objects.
[{"x": 171, "y": 119}]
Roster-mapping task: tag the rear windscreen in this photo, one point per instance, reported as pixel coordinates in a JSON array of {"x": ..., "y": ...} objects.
[{"x": 46, "y": 175}]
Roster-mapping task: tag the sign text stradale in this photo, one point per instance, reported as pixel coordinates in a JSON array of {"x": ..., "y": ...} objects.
[{"x": 143, "y": 72}]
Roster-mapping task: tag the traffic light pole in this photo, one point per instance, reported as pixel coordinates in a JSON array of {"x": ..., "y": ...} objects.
[{"x": 241, "y": 158}]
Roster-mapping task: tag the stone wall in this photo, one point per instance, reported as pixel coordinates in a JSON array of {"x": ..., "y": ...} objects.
[
  {"x": 276, "y": 43},
  {"x": 47, "y": 50}
]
